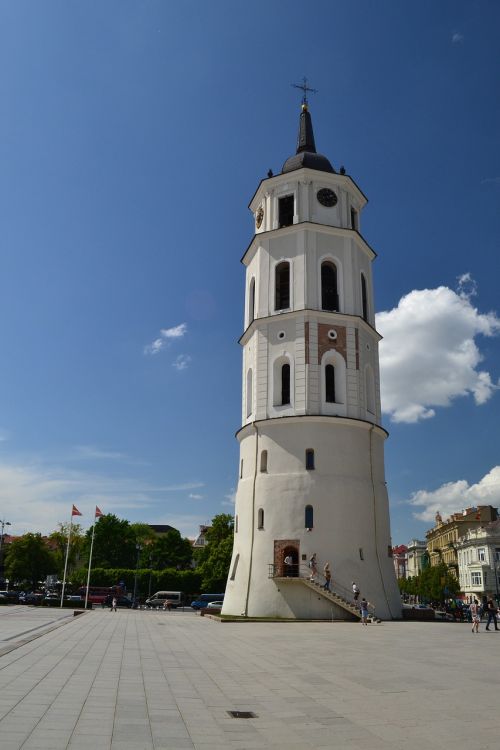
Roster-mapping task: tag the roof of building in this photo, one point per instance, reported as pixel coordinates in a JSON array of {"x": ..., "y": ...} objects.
[
  {"x": 306, "y": 155},
  {"x": 161, "y": 528}
]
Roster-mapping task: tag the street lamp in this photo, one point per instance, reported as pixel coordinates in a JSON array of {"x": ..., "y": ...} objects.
[
  {"x": 3, "y": 524},
  {"x": 139, "y": 550}
]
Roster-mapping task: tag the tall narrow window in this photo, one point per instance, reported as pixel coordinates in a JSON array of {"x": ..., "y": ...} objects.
[
  {"x": 309, "y": 459},
  {"x": 282, "y": 286},
  {"x": 309, "y": 517},
  {"x": 285, "y": 211},
  {"x": 236, "y": 524},
  {"x": 260, "y": 518},
  {"x": 330, "y": 384},
  {"x": 241, "y": 469},
  {"x": 235, "y": 567},
  {"x": 329, "y": 293},
  {"x": 354, "y": 218},
  {"x": 263, "y": 461},
  {"x": 251, "y": 302},
  {"x": 364, "y": 297},
  {"x": 249, "y": 392},
  {"x": 285, "y": 384}
]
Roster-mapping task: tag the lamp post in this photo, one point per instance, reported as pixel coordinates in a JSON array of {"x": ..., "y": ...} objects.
[
  {"x": 139, "y": 550},
  {"x": 3, "y": 524}
]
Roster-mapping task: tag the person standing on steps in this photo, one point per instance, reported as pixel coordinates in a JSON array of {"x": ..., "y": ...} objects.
[
  {"x": 314, "y": 568},
  {"x": 355, "y": 591},
  {"x": 328, "y": 576},
  {"x": 491, "y": 611},
  {"x": 363, "y": 607},
  {"x": 474, "y": 613}
]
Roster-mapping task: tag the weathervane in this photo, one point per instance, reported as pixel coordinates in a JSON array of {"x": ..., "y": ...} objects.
[{"x": 305, "y": 88}]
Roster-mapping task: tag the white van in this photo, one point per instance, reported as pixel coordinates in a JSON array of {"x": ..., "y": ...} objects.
[{"x": 160, "y": 599}]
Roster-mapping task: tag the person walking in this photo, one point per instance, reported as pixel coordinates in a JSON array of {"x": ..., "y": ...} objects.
[
  {"x": 328, "y": 576},
  {"x": 314, "y": 567},
  {"x": 491, "y": 611},
  {"x": 355, "y": 591},
  {"x": 474, "y": 613},
  {"x": 288, "y": 562},
  {"x": 363, "y": 607},
  {"x": 113, "y": 604}
]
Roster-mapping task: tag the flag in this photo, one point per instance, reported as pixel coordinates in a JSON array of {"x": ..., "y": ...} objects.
[
  {"x": 75, "y": 511},
  {"x": 98, "y": 512}
]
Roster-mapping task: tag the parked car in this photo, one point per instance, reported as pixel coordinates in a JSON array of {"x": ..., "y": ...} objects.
[
  {"x": 34, "y": 597},
  {"x": 52, "y": 598},
  {"x": 11, "y": 596},
  {"x": 205, "y": 599},
  {"x": 215, "y": 605}
]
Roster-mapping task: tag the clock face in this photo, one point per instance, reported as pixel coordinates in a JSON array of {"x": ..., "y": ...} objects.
[
  {"x": 259, "y": 217},
  {"x": 326, "y": 197}
]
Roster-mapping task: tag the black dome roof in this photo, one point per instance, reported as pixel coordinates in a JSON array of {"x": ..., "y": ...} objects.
[{"x": 306, "y": 155}]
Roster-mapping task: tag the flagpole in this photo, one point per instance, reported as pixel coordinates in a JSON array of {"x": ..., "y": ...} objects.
[
  {"x": 66, "y": 560},
  {"x": 90, "y": 565}
]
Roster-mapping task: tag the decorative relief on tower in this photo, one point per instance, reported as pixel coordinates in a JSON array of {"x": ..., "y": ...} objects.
[{"x": 326, "y": 343}]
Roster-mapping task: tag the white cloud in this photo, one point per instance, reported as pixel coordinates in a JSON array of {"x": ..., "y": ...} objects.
[
  {"x": 230, "y": 498},
  {"x": 457, "y": 37},
  {"x": 453, "y": 497},
  {"x": 166, "y": 334},
  {"x": 92, "y": 452},
  {"x": 429, "y": 355},
  {"x": 194, "y": 496},
  {"x": 181, "y": 362}
]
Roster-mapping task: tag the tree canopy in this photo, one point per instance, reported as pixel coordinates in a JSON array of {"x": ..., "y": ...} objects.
[
  {"x": 114, "y": 543},
  {"x": 29, "y": 559},
  {"x": 215, "y": 558}
]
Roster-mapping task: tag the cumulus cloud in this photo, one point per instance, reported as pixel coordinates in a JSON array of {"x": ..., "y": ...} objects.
[
  {"x": 166, "y": 335},
  {"x": 453, "y": 497},
  {"x": 457, "y": 37},
  {"x": 181, "y": 362},
  {"x": 429, "y": 355}
]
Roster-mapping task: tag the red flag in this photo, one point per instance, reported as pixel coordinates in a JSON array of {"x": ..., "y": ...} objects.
[
  {"x": 75, "y": 511},
  {"x": 98, "y": 512}
]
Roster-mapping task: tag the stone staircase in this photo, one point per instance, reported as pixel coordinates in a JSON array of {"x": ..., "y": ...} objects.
[{"x": 335, "y": 597}]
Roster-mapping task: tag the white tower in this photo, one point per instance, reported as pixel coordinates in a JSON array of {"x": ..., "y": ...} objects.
[{"x": 311, "y": 474}]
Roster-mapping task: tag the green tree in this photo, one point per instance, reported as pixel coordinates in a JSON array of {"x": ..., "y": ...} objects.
[
  {"x": 215, "y": 558},
  {"x": 29, "y": 560},
  {"x": 168, "y": 550},
  {"x": 114, "y": 543},
  {"x": 59, "y": 542}
]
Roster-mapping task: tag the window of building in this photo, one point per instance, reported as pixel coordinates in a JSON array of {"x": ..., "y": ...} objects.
[
  {"x": 236, "y": 524},
  {"x": 282, "y": 286},
  {"x": 364, "y": 297},
  {"x": 309, "y": 517},
  {"x": 354, "y": 218},
  {"x": 475, "y": 578},
  {"x": 309, "y": 459},
  {"x": 241, "y": 469},
  {"x": 235, "y": 567},
  {"x": 370, "y": 389},
  {"x": 285, "y": 211},
  {"x": 285, "y": 384},
  {"x": 249, "y": 392},
  {"x": 263, "y": 461},
  {"x": 481, "y": 554},
  {"x": 251, "y": 302},
  {"x": 329, "y": 293},
  {"x": 330, "y": 384},
  {"x": 497, "y": 554},
  {"x": 260, "y": 518},
  {"x": 361, "y": 556}
]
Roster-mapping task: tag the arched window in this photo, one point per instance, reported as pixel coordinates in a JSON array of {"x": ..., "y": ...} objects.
[
  {"x": 260, "y": 518},
  {"x": 251, "y": 302},
  {"x": 282, "y": 286},
  {"x": 249, "y": 392},
  {"x": 364, "y": 297},
  {"x": 263, "y": 461},
  {"x": 309, "y": 459},
  {"x": 241, "y": 469},
  {"x": 285, "y": 384},
  {"x": 329, "y": 292},
  {"x": 309, "y": 517},
  {"x": 330, "y": 384},
  {"x": 235, "y": 567}
]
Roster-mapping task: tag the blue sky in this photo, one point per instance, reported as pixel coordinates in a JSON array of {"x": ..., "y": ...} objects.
[{"x": 132, "y": 136}]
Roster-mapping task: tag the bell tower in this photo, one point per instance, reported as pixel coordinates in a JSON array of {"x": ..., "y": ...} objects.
[{"x": 311, "y": 473}]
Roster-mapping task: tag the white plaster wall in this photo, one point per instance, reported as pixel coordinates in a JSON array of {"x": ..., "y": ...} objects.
[{"x": 347, "y": 491}]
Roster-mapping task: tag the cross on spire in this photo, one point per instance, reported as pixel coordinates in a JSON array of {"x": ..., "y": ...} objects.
[{"x": 305, "y": 88}]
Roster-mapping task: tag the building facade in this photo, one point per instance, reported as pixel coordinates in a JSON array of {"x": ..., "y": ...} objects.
[
  {"x": 416, "y": 557},
  {"x": 479, "y": 562},
  {"x": 311, "y": 471},
  {"x": 443, "y": 538}
]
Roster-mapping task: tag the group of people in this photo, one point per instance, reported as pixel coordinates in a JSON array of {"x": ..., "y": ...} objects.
[
  {"x": 327, "y": 575},
  {"x": 491, "y": 610}
]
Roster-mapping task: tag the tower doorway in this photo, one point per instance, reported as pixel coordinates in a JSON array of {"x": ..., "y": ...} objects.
[{"x": 289, "y": 549}]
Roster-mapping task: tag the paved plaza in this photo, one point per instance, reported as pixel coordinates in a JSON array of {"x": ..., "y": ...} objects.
[{"x": 141, "y": 680}]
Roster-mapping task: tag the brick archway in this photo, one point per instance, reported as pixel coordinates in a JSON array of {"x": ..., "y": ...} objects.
[{"x": 282, "y": 549}]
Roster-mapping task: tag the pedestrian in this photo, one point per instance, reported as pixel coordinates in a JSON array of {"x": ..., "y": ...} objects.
[
  {"x": 492, "y": 613},
  {"x": 364, "y": 611},
  {"x": 474, "y": 613},
  {"x": 355, "y": 591},
  {"x": 328, "y": 576},
  {"x": 113, "y": 604},
  {"x": 288, "y": 561},
  {"x": 314, "y": 567}
]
